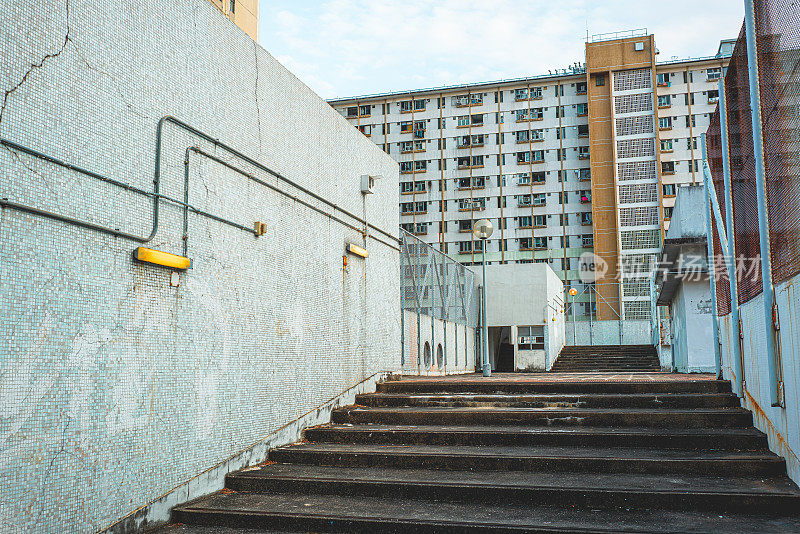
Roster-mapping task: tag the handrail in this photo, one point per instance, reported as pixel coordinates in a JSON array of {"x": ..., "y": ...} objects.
[{"x": 157, "y": 196}]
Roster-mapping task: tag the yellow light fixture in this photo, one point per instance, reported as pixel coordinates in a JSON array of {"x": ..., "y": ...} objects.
[
  {"x": 356, "y": 250},
  {"x": 165, "y": 259}
]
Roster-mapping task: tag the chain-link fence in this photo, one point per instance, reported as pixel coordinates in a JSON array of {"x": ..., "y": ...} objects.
[
  {"x": 440, "y": 302},
  {"x": 777, "y": 25}
]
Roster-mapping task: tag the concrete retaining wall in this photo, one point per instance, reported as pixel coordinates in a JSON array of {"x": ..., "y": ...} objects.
[
  {"x": 117, "y": 387},
  {"x": 782, "y": 425}
]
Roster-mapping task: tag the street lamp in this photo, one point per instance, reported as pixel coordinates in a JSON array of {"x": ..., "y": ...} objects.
[
  {"x": 482, "y": 229},
  {"x": 572, "y": 293}
]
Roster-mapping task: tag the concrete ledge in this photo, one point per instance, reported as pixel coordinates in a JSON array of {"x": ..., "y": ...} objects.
[{"x": 157, "y": 512}]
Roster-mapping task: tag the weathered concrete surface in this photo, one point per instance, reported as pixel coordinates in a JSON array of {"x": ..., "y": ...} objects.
[
  {"x": 116, "y": 387},
  {"x": 604, "y": 470}
]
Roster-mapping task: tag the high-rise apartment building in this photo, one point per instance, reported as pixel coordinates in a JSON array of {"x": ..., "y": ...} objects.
[
  {"x": 243, "y": 13},
  {"x": 586, "y": 159}
]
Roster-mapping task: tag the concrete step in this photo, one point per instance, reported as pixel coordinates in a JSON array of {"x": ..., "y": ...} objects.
[
  {"x": 776, "y": 495},
  {"x": 603, "y": 369},
  {"x": 658, "y": 438},
  {"x": 595, "y": 384},
  {"x": 658, "y": 418},
  {"x": 634, "y": 400},
  {"x": 358, "y": 513},
  {"x": 539, "y": 458}
]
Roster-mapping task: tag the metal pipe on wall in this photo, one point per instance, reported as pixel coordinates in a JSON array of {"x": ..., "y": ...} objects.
[
  {"x": 761, "y": 201},
  {"x": 710, "y": 261},
  {"x": 734, "y": 291}
]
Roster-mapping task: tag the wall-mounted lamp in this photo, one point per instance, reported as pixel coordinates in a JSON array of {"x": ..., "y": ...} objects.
[
  {"x": 357, "y": 251},
  {"x": 164, "y": 259}
]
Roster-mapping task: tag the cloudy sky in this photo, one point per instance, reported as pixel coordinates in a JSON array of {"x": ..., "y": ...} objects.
[{"x": 354, "y": 47}]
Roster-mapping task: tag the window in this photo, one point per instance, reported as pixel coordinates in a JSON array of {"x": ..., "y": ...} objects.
[
  {"x": 405, "y": 106},
  {"x": 524, "y": 221},
  {"x": 688, "y": 78},
  {"x": 420, "y": 165},
  {"x": 540, "y": 243},
  {"x": 537, "y": 177},
  {"x": 523, "y": 201},
  {"x": 668, "y": 213},
  {"x": 713, "y": 74},
  {"x": 560, "y": 110},
  {"x": 691, "y": 119},
  {"x": 352, "y": 112},
  {"x": 406, "y": 187},
  {"x": 520, "y": 94},
  {"x": 405, "y": 127},
  {"x": 463, "y": 120},
  {"x": 584, "y": 174},
  {"x": 587, "y": 240},
  {"x": 664, "y": 101},
  {"x": 561, "y": 133},
  {"x": 666, "y": 145},
  {"x": 563, "y": 197},
  {"x": 365, "y": 129},
  {"x": 583, "y": 130},
  {"x": 536, "y": 93},
  {"x": 585, "y": 196},
  {"x": 583, "y": 152},
  {"x": 232, "y": 6},
  {"x": 583, "y": 110},
  {"x": 465, "y": 226},
  {"x": 586, "y": 218},
  {"x": 365, "y": 111},
  {"x": 419, "y": 187},
  {"x": 561, "y": 154},
  {"x": 530, "y": 337},
  {"x": 419, "y": 105},
  {"x": 691, "y": 143},
  {"x": 540, "y": 221},
  {"x": 600, "y": 80},
  {"x": 713, "y": 96},
  {"x": 665, "y": 123},
  {"x": 537, "y": 114},
  {"x": 406, "y": 166},
  {"x": 580, "y": 88},
  {"x": 662, "y": 80},
  {"x": 669, "y": 190},
  {"x": 526, "y": 243},
  {"x": 688, "y": 97},
  {"x": 522, "y": 136},
  {"x": 539, "y": 199},
  {"x": 667, "y": 167}
]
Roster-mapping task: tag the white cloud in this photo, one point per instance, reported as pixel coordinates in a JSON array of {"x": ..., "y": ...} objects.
[{"x": 351, "y": 47}]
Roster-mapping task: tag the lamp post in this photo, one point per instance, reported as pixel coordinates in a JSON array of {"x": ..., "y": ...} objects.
[
  {"x": 572, "y": 293},
  {"x": 482, "y": 229}
]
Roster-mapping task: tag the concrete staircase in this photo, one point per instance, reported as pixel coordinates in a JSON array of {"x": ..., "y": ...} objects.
[
  {"x": 607, "y": 358},
  {"x": 533, "y": 453}
]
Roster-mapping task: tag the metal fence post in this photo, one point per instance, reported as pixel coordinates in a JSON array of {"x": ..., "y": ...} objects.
[
  {"x": 710, "y": 261},
  {"x": 734, "y": 290},
  {"x": 761, "y": 200},
  {"x": 402, "y": 304}
]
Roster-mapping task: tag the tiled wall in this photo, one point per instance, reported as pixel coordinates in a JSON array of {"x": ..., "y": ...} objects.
[{"x": 116, "y": 387}]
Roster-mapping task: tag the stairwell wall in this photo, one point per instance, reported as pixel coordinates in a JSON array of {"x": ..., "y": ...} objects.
[
  {"x": 116, "y": 386},
  {"x": 780, "y": 424}
]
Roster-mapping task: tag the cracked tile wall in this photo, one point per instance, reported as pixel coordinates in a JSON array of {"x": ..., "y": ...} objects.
[{"x": 114, "y": 386}]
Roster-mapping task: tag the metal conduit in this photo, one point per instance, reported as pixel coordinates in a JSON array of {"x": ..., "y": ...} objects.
[{"x": 157, "y": 196}]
